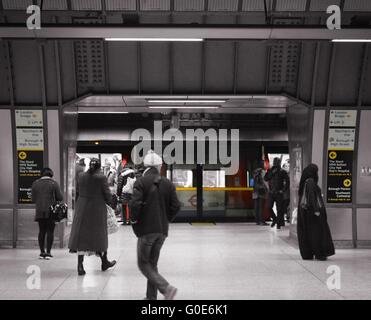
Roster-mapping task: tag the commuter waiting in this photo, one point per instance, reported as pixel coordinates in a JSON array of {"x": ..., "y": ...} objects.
[
  {"x": 153, "y": 205},
  {"x": 259, "y": 194},
  {"x": 89, "y": 228},
  {"x": 314, "y": 234},
  {"x": 45, "y": 193},
  {"x": 278, "y": 180}
]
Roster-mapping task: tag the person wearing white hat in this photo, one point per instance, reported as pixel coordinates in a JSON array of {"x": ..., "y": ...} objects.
[{"x": 153, "y": 205}]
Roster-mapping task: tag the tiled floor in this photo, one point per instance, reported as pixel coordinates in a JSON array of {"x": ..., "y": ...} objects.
[{"x": 226, "y": 261}]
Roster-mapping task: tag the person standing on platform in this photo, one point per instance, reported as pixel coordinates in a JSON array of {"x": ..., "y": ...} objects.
[
  {"x": 80, "y": 168},
  {"x": 124, "y": 191},
  {"x": 45, "y": 193},
  {"x": 89, "y": 228},
  {"x": 153, "y": 205},
  {"x": 278, "y": 180},
  {"x": 259, "y": 194},
  {"x": 314, "y": 234}
]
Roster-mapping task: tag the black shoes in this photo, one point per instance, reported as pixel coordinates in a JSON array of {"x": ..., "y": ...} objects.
[
  {"x": 170, "y": 293},
  {"x": 105, "y": 263},
  {"x": 80, "y": 270},
  {"x": 45, "y": 256},
  {"x": 273, "y": 224},
  {"x": 48, "y": 256},
  {"x": 80, "y": 266},
  {"x": 42, "y": 255},
  {"x": 320, "y": 258},
  {"x": 108, "y": 264}
]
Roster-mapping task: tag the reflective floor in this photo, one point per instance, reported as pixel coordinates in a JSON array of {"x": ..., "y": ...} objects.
[{"x": 225, "y": 261}]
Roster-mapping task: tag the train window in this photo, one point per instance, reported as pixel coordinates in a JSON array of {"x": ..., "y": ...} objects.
[
  {"x": 214, "y": 178},
  {"x": 181, "y": 178}
]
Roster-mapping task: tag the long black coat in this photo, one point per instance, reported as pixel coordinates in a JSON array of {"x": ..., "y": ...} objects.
[
  {"x": 89, "y": 227},
  {"x": 314, "y": 234},
  {"x": 153, "y": 205}
]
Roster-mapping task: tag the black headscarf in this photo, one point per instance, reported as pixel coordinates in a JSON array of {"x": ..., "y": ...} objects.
[
  {"x": 94, "y": 165},
  {"x": 311, "y": 171}
]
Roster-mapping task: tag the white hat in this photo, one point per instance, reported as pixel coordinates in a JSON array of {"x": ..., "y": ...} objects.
[{"x": 152, "y": 159}]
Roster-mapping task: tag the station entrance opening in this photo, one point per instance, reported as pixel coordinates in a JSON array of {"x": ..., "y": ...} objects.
[{"x": 213, "y": 184}]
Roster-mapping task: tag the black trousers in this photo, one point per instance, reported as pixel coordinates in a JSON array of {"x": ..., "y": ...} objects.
[
  {"x": 46, "y": 230},
  {"x": 278, "y": 199},
  {"x": 259, "y": 203}
]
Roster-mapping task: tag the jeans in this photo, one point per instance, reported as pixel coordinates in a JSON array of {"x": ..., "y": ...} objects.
[
  {"x": 278, "y": 199},
  {"x": 148, "y": 249},
  {"x": 258, "y": 203}
]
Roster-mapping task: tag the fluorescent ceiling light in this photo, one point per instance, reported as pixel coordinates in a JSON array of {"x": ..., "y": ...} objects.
[
  {"x": 156, "y": 39},
  {"x": 103, "y": 112},
  {"x": 186, "y": 101},
  {"x": 351, "y": 40},
  {"x": 183, "y": 107}
]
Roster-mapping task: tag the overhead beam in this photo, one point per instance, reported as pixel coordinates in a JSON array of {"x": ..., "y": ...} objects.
[{"x": 174, "y": 32}]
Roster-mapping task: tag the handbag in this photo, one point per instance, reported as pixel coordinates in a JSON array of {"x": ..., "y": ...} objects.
[
  {"x": 112, "y": 224},
  {"x": 58, "y": 211}
]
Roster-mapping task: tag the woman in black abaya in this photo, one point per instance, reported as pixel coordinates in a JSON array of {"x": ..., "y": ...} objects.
[{"x": 314, "y": 234}]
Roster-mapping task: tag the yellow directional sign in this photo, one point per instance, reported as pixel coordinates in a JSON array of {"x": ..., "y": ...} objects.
[
  {"x": 22, "y": 155},
  {"x": 347, "y": 183},
  {"x": 332, "y": 155}
]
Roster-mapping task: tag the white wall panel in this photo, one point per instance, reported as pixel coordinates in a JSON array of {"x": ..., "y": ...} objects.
[{"x": 6, "y": 158}]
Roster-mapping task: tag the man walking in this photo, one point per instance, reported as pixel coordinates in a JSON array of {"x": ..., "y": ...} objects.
[
  {"x": 154, "y": 203},
  {"x": 279, "y": 182}
]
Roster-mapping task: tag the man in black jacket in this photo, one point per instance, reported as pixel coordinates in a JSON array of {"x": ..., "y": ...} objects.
[
  {"x": 153, "y": 205},
  {"x": 279, "y": 182}
]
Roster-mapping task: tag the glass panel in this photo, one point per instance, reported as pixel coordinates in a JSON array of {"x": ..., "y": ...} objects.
[
  {"x": 6, "y": 158},
  {"x": 183, "y": 178},
  {"x": 186, "y": 191},
  {"x": 214, "y": 178}
]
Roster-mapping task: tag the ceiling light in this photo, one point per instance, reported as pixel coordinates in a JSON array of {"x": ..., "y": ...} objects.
[
  {"x": 186, "y": 101},
  {"x": 103, "y": 112},
  {"x": 351, "y": 40},
  {"x": 156, "y": 39},
  {"x": 183, "y": 107}
]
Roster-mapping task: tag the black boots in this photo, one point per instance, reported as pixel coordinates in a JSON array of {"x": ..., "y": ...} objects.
[
  {"x": 80, "y": 266},
  {"x": 105, "y": 263}
]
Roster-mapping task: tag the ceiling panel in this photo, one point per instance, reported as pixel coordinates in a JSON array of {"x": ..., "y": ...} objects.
[
  {"x": 223, "y": 5},
  {"x": 291, "y": 5},
  {"x": 357, "y": 5},
  {"x": 155, "y": 5},
  {"x": 128, "y": 5},
  {"x": 189, "y": 5},
  {"x": 16, "y": 4},
  {"x": 86, "y": 4},
  {"x": 255, "y": 5},
  {"x": 55, "y": 5},
  {"x": 322, "y": 5}
]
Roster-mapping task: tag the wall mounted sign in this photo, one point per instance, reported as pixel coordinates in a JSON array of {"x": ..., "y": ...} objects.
[
  {"x": 29, "y": 118},
  {"x": 343, "y": 118},
  {"x": 341, "y": 140},
  {"x": 30, "y": 150}
]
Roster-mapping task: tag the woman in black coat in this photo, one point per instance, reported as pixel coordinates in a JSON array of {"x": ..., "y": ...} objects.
[
  {"x": 45, "y": 192},
  {"x": 89, "y": 228},
  {"x": 314, "y": 234}
]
